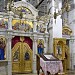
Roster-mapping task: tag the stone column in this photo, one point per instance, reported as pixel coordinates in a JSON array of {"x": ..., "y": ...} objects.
[
  {"x": 34, "y": 53},
  {"x": 46, "y": 28},
  {"x": 10, "y": 21},
  {"x": 71, "y": 56},
  {"x": 51, "y": 24},
  {"x": 34, "y": 25},
  {"x": 52, "y": 11},
  {"x": 72, "y": 53},
  {"x": 72, "y": 42},
  {"x": 46, "y": 45},
  {"x": 8, "y": 54}
]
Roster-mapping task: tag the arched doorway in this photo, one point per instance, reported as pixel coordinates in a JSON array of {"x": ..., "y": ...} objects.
[{"x": 21, "y": 54}]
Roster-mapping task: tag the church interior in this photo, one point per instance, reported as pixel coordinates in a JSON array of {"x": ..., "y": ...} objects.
[{"x": 37, "y": 37}]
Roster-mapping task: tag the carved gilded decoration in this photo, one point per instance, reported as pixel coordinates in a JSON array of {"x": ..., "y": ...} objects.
[
  {"x": 24, "y": 23},
  {"x": 42, "y": 20},
  {"x": 40, "y": 40},
  {"x": 23, "y": 9},
  {"x": 66, "y": 30},
  {"x": 59, "y": 46},
  {"x": 61, "y": 51}
]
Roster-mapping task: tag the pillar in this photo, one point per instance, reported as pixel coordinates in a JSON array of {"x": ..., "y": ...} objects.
[
  {"x": 10, "y": 17},
  {"x": 72, "y": 53},
  {"x": 51, "y": 24},
  {"x": 46, "y": 28},
  {"x": 46, "y": 45},
  {"x": 71, "y": 56},
  {"x": 8, "y": 54},
  {"x": 34, "y": 53},
  {"x": 34, "y": 25}
]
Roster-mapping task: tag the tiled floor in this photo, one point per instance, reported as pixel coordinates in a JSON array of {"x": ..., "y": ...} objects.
[
  {"x": 69, "y": 73},
  {"x": 25, "y": 74}
]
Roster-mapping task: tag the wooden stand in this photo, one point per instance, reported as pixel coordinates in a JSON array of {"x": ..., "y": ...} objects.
[
  {"x": 38, "y": 63},
  {"x": 38, "y": 66}
]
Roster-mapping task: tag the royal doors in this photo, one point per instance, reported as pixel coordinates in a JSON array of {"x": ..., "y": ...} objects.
[{"x": 21, "y": 56}]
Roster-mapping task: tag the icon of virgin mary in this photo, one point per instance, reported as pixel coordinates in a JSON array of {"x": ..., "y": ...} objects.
[{"x": 2, "y": 49}]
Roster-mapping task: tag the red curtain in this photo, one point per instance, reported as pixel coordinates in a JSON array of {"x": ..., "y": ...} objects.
[{"x": 26, "y": 40}]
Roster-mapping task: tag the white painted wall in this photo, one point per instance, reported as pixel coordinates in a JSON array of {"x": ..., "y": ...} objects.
[
  {"x": 57, "y": 28},
  {"x": 71, "y": 24},
  {"x": 71, "y": 20}
]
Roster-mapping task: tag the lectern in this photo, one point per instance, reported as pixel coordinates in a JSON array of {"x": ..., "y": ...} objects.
[{"x": 49, "y": 64}]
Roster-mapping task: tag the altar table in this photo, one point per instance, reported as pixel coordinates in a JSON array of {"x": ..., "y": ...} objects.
[{"x": 49, "y": 63}]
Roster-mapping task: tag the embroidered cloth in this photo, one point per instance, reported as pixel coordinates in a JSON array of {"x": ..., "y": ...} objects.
[{"x": 51, "y": 66}]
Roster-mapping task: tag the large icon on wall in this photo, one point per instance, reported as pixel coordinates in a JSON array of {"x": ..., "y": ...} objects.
[
  {"x": 66, "y": 31},
  {"x": 40, "y": 46},
  {"x": 41, "y": 28},
  {"x": 59, "y": 50},
  {"x": 23, "y": 25},
  {"x": 3, "y": 23},
  {"x": 2, "y": 48},
  {"x": 59, "y": 47}
]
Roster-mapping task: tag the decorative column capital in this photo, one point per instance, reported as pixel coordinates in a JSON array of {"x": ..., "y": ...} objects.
[
  {"x": 9, "y": 37},
  {"x": 10, "y": 17},
  {"x": 34, "y": 25},
  {"x": 35, "y": 39}
]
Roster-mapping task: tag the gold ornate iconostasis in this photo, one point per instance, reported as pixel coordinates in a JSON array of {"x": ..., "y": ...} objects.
[
  {"x": 22, "y": 54},
  {"x": 61, "y": 51},
  {"x": 24, "y": 23},
  {"x": 2, "y": 48}
]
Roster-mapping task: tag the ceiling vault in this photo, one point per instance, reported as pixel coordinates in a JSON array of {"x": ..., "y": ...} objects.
[{"x": 39, "y": 4}]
